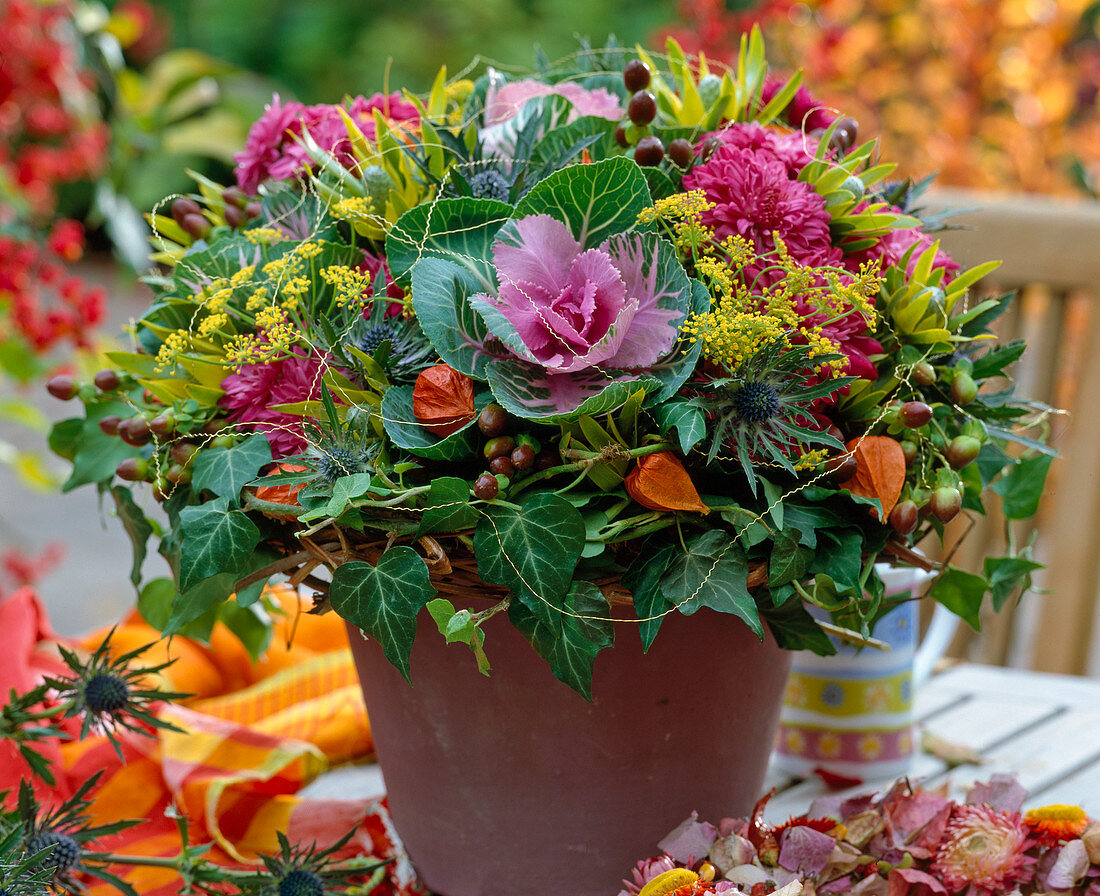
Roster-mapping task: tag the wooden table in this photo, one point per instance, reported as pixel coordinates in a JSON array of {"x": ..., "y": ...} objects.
[{"x": 1043, "y": 729}]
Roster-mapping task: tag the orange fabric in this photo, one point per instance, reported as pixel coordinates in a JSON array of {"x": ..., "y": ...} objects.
[{"x": 252, "y": 737}]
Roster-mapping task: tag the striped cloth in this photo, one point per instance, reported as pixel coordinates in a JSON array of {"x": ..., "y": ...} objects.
[{"x": 253, "y": 736}]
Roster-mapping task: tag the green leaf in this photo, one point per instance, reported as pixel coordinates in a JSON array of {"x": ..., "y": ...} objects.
[
  {"x": 136, "y": 525},
  {"x": 993, "y": 362},
  {"x": 527, "y": 391},
  {"x": 795, "y": 629},
  {"x": 460, "y": 625},
  {"x": 688, "y": 420},
  {"x": 405, "y": 432},
  {"x": 643, "y": 581},
  {"x": 457, "y": 230},
  {"x": 788, "y": 560},
  {"x": 569, "y": 637},
  {"x": 447, "y": 508},
  {"x": 225, "y": 471},
  {"x": 713, "y": 573},
  {"x": 64, "y": 437},
  {"x": 154, "y": 603},
  {"x": 961, "y": 592},
  {"x": 533, "y": 550},
  {"x": 97, "y": 454},
  {"x": 1007, "y": 575},
  {"x": 384, "y": 600},
  {"x": 596, "y": 200},
  {"x": 441, "y": 292},
  {"x": 214, "y": 539},
  {"x": 345, "y": 490},
  {"x": 1022, "y": 486},
  {"x": 841, "y": 552},
  {"x": 250, "y": 624}
]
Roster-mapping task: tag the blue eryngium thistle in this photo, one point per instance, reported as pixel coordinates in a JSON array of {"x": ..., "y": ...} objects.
[
  {"x": 297, "y": 871},
  {"x": 109, "y": 693}
]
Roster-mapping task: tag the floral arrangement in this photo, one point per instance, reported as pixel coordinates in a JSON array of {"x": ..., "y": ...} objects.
[
  {"x": 907, "y": 840},
  {"x": 629, "y": 327}
]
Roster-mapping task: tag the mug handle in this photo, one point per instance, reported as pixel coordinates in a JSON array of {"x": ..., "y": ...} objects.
[{"x": 934, "y": 644}]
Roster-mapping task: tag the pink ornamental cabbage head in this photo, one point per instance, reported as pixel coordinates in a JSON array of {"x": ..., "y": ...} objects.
[
  {"x": 567, "y": 310},
  {"x": 503, "y": 101}
]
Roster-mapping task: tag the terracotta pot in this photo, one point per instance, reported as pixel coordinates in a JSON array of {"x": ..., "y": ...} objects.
[{"x": 513, "y": 785}]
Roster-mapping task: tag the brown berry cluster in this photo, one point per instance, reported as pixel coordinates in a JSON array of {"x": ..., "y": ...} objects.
[
  {"x": 197, "y": 223},
  {"x": 641, "y": 110},
  {"x": 506, "y": 454}
]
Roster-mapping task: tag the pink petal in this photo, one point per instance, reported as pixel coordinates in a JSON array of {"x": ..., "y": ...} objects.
[
  {"x": 1069, "y": 867},
  {"x": 805, "y": 850},
  {"x": 1001, "y": 792},
  {"x": 541, "y": 252},
  {"x": 691, "y": 840},
  {"x": 903, "y": 881},
  {"x": 653, "y": 330}
]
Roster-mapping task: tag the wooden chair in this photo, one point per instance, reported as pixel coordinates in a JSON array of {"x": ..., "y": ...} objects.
[{"x": 1051, "y": 254}]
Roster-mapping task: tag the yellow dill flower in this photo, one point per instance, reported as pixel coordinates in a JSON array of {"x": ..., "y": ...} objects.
[
  {"x": 212, "y": 323},
  {"x": 174, "y": 345},
  {"x": 257, "y": 300},
  {"x": 217, "y": 301},
  {"x": 349, "y": 284},
  {"x": 262, "y": 236},
  {"x": 243, "y": 275},
  {"x": 308, "y": 249},
  {"x": 270, "y": 316},
  {"x": 242, "y": 349},
  {"x": 354, "y": 208}
]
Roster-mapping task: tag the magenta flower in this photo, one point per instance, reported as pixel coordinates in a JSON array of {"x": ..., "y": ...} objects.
[
  {"x": 755, "y": 197},
  {"x": 251, "y": 392},
  {"x": 393, "y": 108},
  {"x": 566, "y": 309},
  {"x": 804, "y": 112},
  {"x": 794, "y": 149},
  {"x": 263, "y": 147}
]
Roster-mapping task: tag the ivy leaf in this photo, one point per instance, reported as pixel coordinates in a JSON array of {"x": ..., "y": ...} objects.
[
  {"x": 532, "y": 550},
  {"x": 1006, "y": 575},
  {"x": 569, "y": 637},
  {"x": 214, "y": 539},
  {"x": 642, "y": 580},
  {"x": 688, "y": 420},
  {"x": 459, "y": 625},
  {"x": 961, "y": 592},
  {"x": 713, "y": 573},
  {"x": 384, "y": 600},
  {"x": 788, "y": 559},
  {"x": 137, "y": 527},
  {"x": 1022, "y": 486},
  {"x": 225, "y": 471},
  {"x": 447, "y": 508}
]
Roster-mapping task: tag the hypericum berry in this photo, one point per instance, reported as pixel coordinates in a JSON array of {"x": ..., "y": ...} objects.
[
  {"x": 924, "y": 374},
  {"x": 502, "y": 466},
  {"x": 183, "y": 453},
  {"x": 909, "y": 452},
  {"x": 109, "y": 424},
  {"x": 498, "y": 447},
  {"x": 845, "y": 134},
  {"x": 649, "y": 152},
  {"x": 135, "y": 431},
  {"x": 486, "y": 487},
  {"x": 620, "y": 136},
  {"x": 904, "y": 517},
  {"x": 523, "y": 457},
  {"x": 301, "y": 882},
  {"x": 234, "y": 196},
  {"x": 492, "y": 420},
  {"x": 164, "y": 424},
  {"x": 196, "y": 225},
  {"x": 178, "y": 474},
  {"x": 65, "y": 854},
  {"x": 756, "y": 402},
  {"x": 253, "y": 210},
  {"x": 963, "y": 388},
  {"x": 710, "y": 146},
  {"x": 636, "y": 75},
  {"x": 945, "y": 503},
  {"x": 642, "y": 108},
  {"x": 841, "y": 468},
  {"x": 183, "y": 207},
  {"x": 337, "y": 462},
  {"x": 681, "y": 152},
  {"x": 914, "y": 414},
  {"x": 62, "y": 386},
  {"x": 544, "y": 460},
  {"x": 106, "y": 692},
  {"x": 107, "y": 380},
  {"x": 234, "y": 216},
  {"x": 962, "y": 450},
  {"x": 133, "y": 469},
  {"x": 489, "y": 184}
]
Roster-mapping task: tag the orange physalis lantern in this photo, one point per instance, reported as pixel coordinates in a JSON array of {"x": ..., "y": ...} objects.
[
  {"x": 660, "y": 482},
  {"x": 880, "y": 471},
  {"x": 443, "y": 400},
  {"x": 281, "y": 494}
]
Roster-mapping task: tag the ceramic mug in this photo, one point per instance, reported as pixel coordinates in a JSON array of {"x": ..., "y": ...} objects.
[{"x": 851, "y": 714}]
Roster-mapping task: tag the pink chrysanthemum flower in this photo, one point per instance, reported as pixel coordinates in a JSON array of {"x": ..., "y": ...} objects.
[
  {"x": 251, "y": 392},
  {"x": 793, "y": 149},
  {"x": 394, "y": 108},
  {"x": 983, "y": 852},
  {"x": 755, "y": 197},
  {"x": 263, "y": 147},
  {"x": 805, "y": 111}
]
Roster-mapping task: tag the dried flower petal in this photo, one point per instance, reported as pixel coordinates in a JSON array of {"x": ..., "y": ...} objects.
[
  {"x": 660, "y": 482},
  {"x": 443, "y": 399}
]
